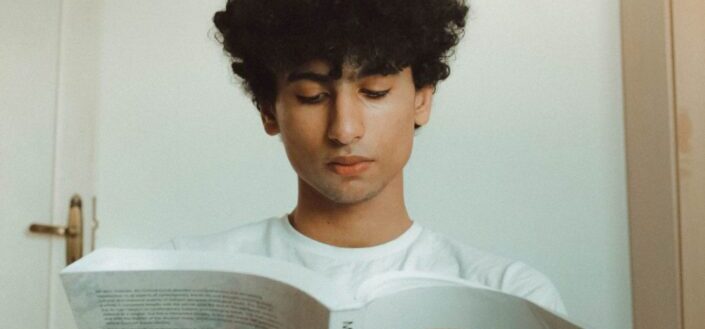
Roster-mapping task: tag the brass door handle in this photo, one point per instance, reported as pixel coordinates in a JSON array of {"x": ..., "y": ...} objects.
[{"x": 73, "y": 232}]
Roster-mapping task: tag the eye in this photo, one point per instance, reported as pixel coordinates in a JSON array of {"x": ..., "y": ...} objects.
[
  {"x": 313, "y": 99},
  {"x": 375, "y": 93}
]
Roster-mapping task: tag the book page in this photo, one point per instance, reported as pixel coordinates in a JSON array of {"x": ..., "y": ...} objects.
[
  {"x": 427, "y": 300},
  {"x": 115, "y": 259},
  {"x": 189, "y": 299},
  {"x": 458, "y": 307},
  {"x": 351, "y": 318},
  {"x": 395, "y": 281},
  {"x": 140, "y": 289}
]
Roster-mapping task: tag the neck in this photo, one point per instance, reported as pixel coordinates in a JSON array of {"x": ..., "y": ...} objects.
[{"x": 377, "y": 220}]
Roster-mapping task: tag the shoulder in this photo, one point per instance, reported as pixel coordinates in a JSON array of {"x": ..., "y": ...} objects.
[
  {"x": 522, "y": 280},
  {"x": 495, "y": 271},
  {"x": 243, "y": 238}
]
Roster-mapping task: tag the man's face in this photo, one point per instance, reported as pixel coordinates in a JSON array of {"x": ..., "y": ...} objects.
[{"x": 326, "y": 122}]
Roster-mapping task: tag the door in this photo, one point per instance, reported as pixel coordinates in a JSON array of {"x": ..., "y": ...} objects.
[
  {"x": 46, "y": 151},
  {"x": 28, "y": 81}
]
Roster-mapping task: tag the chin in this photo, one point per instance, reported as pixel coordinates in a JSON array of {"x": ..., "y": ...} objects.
[
  {"x": 349, "y": 195},
  {"x": 349, "y": 199}
]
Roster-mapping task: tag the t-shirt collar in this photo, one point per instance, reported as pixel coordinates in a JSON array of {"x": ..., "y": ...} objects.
[{"x": 300, "y": 240}]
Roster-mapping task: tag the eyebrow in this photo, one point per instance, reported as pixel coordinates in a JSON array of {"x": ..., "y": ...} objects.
[
  {"x": 296, "y": 76},
  {"x": 326, "y": 78}
]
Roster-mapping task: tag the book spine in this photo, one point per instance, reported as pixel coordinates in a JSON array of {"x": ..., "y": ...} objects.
[{"x": 347, "y": 319}]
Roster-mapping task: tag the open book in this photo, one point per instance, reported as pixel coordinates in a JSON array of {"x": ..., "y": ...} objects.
[{"x": 167, "y": 289}]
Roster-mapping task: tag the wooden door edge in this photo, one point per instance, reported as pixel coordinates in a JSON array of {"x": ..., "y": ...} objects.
[{"x": 650, "y": 132}]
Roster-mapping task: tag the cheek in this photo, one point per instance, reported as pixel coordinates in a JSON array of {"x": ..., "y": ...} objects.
[
  {"x": 404, "y": 139},
  {"x": 301, "y": 141},
  {"x": 299, "y": 127},
  {"x": 300, "y": 157},
  {"x": 396, "y": 129},
  {"x": 298, "y": 142}
]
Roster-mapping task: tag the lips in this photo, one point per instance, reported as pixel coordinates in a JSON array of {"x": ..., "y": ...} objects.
[
  {"x": 349, "y": 160},
  {"x": 349, "y": 165}
]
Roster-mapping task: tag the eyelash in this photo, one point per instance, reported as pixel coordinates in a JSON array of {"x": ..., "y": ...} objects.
[
  {"x": 376, "y": 94},
  {"x": 319, "y": 98},
  {"x": 311, "y": 100}
]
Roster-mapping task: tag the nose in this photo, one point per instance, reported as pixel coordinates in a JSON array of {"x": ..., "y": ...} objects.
[{"x": 346, "y": 119}]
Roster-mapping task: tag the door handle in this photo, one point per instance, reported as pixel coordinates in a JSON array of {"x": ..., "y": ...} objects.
[{"x": 73, "y": 232}]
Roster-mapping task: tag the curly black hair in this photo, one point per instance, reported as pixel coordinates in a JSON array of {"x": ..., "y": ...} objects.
[{"x": 266, "y": 37}]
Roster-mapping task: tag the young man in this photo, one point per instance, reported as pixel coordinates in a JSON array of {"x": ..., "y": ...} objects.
[{"x": 345, "y": 84}]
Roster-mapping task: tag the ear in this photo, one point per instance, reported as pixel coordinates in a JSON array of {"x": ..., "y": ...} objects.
[
  {"x": 422, "y": 104},
  {"x": 269, "y": 120}
]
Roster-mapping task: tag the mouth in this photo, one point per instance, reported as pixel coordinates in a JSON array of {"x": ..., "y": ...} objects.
[{"x": 349, "y": 165}]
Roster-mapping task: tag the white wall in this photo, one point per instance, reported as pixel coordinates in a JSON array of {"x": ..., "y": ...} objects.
[
  {"x": 530, "y": 129},
  {"x": 524, "y": 154}
]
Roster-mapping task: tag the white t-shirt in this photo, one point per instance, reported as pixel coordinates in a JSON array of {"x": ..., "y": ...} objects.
[{"x": 417, "y": 249}]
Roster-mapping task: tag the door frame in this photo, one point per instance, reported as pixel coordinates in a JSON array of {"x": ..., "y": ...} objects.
[{"x": 662, "y": 61}]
